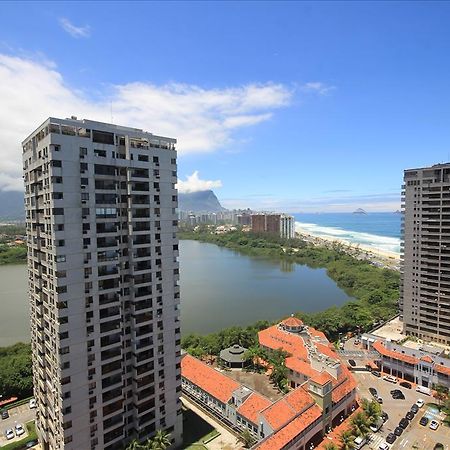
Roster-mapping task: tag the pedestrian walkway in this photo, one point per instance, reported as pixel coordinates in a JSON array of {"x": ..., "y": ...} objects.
[
  {"x": 375, "y": 440},
  {"x": 226, "y": 440}
]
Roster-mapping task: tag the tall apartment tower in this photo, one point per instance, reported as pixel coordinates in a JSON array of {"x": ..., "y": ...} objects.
[
  {"x": 425, "y": 286},
  {"x": 103, "y": 283}
]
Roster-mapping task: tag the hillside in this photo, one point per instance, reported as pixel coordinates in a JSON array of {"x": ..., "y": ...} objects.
[{"x": 202, "y": 201}]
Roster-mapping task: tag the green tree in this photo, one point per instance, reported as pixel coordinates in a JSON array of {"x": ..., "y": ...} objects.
[
  {"x": 134, "y": 445},
  {"x": 440, "y": 394},
  {"x": 347, "y": 440},
  {"x": 246, "y": 438},
  {"x": 372, "y": 410},
  {"x": 161, "y": 440},
  {"x": 331, "y": 446},
  {"x": 360, "y": 424},
  {"x": 16, "y": 373}
]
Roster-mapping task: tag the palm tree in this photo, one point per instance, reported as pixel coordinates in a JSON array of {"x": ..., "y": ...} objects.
[
  {"x": 441, "y": 393},
  {"x": 134, "y": 445},
  {"x": 360, "y": 424},
  {"x": 160, "y": 441},
  {"x": 347, "y": 440},
  {"x": 372, "y": 409},
  {"x": 246, "y": 438},
  {"x": 331, "y": 446}
]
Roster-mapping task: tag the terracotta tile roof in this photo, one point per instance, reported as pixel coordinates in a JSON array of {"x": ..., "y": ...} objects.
[
  {"x": 252, "y": 406},
  {"x": 275, "y": 339},
  {"x": 278, "y": 414},
  {"x": 380, "y": 348},
  {"x": 322, "y": 378},
  {"x": 298, "y": 399},
  {"x": 282, "y": 437},
  {"x": 316, "y": 333},
  {"x": 292, "y": 322},
  {"x": 208, "y": 379},
  {"x": 300, "y": 366},
  {"x": 442, "y": 369},
  {"x": 427, "y": 359},
  {"x": 326, "y": 350}
]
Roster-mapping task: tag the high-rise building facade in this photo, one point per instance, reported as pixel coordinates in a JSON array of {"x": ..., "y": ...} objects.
[
  {"x": 278, "y": 224},
  {"x": 425, "y": 285},
  {"x": 103, "y": 283}
]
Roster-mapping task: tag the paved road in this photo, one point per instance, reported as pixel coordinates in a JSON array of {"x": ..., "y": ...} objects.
[
  {"x": 21, "y": 414},
  {"x": 415, "y": 434}
]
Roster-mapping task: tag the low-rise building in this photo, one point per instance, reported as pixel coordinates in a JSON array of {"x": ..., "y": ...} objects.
[{"x": 322, "y": 394}]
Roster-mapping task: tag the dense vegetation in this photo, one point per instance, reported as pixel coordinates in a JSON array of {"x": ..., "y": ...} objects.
[
  {"x": 13, "y": 255},
  {"x": 375, "y": 290},
  {"x": 16, "y": 371}
]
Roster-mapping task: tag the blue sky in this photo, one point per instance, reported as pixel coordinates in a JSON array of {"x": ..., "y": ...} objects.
[{"x": 286, "y": 106}]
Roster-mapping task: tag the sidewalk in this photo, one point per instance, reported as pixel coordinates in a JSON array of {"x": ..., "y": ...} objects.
[{"x": 226, "y": 440}]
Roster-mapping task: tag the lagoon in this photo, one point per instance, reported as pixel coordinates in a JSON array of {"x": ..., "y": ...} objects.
[{"x": 219, "y": 288}]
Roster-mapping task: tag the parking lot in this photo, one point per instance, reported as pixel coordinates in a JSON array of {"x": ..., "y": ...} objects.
[
  {"x": 22, "y": 414},
  {"x": 415, "y": 436}
]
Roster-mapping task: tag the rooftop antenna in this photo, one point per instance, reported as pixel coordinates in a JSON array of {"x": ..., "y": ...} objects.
[{"x": 111, "y": 112}]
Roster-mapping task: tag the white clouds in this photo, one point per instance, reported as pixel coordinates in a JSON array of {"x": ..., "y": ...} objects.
[
  {"x": 318, "y": 87},
  {"x": 203, "y": 120},
  {"x": 74, "y": 31},
  {"x": 194, "y": 184}
]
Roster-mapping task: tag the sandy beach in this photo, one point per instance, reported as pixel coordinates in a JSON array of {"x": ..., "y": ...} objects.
[{"x": 377, "y": 256}]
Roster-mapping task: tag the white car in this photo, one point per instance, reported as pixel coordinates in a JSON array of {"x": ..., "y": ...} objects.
[
  {"x": 390, "y": 378},
  {"x": 383, "y": 446},
  {"x": 32, "y": 403},
  {"x": 19, "y": 429},
  {"x": 434, "y": 425},
  {"x": 420, "y": 403},
  {"x": 9, "y": 434}
]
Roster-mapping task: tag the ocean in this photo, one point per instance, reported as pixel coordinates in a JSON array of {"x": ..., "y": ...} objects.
[{"x": 377, "y": 230}]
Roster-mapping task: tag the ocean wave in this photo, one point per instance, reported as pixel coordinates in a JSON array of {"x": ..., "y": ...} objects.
[{"x": 385, "y": 243}]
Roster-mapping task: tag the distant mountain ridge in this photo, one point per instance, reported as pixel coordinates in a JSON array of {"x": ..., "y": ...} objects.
[
  {"x": 11, "y": 205},
  {"x": 201, "y": 201}
]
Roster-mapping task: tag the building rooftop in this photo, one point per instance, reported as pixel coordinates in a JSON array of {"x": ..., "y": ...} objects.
[
  {"x": 208, "y": 379},
  {"x": 233, "y": 354},
  {"x": 252, "y": 406}
]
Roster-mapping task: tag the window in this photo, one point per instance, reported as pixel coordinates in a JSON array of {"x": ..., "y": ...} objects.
[
  {"x": 83, "y": 152},
  {"x": 102, "y": 137},
  {"x": 61, "y": 289},
  {"x": 142, "y": 157},
  {"x": 58, "y": 211},
  {"x": 61, "y": 258},
  {"x": 100, "y": 153}
]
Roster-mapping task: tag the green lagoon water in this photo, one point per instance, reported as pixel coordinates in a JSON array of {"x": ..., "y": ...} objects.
[{"x": 219, "y": 288}]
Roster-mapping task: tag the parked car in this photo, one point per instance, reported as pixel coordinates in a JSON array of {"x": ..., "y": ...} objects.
[
  {"x": 375, "y": 373},
  {"x": 424, "y": 421},
  {"x": 9, "y": 433},
  {"x": 414, "y": 409},
  {"x": 19, "y": 429},
  {"x": 420, "y": 403},
  {"x": 434, "y": 425},
  {"x": 406, "y": 385},
  {"x": 384, "y": 416},
  {"x": 5, "y": 414},
  {"x": 32, "y": 403},
  {"x": 398, "y": 431},
  {"x": 373, "y": 391},
  {"x": 410, "y": 415},
  {"x": 424, "y": 390},
  {"x": 403, "y": 423},
  {"x": 383, "y": 446},
  {"x": 398, "y": 395},
  {"x": 374, "y": 427},
  {"x": 391, "y": 437},
  {"x": 395, "y": 391},
  {"x": 31, "y": 444},
  {"x": 390, "y": 378},
  {"x": 352, "y": 362},
  {"x": 379, "y": 400},
  {"x": 360, "y": 442}
]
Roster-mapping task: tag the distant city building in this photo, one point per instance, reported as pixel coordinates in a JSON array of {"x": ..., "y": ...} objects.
[
  {"x": 425, "y": 266},
  {"x": 103, "y": 284},
  {"x": 279, "y": 224},
  {"x": 323, "y": 391},
  {"x": 244, "y": 219}
]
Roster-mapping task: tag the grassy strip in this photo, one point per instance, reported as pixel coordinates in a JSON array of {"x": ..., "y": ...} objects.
[
  {"x": 32, "y": 435},
  {"x": 13, "y": 255},
  {"x": 209, "y": 437}
]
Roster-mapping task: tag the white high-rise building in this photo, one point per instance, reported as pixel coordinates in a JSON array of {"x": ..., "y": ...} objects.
[
  {"x": 425, "y": 286},
  {"x": 103, "y": 283}
]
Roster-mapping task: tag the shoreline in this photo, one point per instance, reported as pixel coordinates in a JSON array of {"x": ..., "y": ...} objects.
[{"x": 377, "y": 256}]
